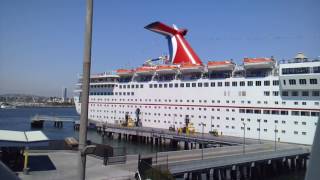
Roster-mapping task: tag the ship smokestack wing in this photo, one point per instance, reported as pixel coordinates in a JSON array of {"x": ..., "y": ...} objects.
[{"x": 179, "y": 49}]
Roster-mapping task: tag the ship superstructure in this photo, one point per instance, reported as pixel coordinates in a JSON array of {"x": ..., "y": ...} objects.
[{"x": 269, "y": 98}]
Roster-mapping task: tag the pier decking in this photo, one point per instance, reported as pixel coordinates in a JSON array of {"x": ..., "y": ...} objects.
[
  {"x": 235, "y": 159},
  {"x": 231, "y": 163},
  {"x": 38, "y": 120},
  {"x": 229, "y": 159},
  {"x": 57, "y": 165},
  {"x": 155, "y": 135}
]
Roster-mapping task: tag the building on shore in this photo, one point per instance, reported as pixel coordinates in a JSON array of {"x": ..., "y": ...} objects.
[{"x": 64, "y": 97}]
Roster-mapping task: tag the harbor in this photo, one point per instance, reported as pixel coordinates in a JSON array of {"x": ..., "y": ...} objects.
[
  {"x": 223, "y": 151},
  {"x": 99, "y": 90}
]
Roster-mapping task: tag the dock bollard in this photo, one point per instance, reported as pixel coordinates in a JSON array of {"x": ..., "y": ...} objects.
[{"x": 25, "y": 164}]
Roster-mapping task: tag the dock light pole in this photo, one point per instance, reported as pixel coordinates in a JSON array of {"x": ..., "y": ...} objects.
[
  {"x": 85, "y": 90},
  {"x": 244, "y": 137},
  {"x": 275, "y": 137},
  {"x": 259, "y": 130},
  {"x": 203, "y": 125}
]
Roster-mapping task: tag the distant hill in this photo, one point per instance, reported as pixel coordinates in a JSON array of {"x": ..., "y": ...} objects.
[
  {"x": 19, "y": 99},
  {"x": 22, "y": 98},
  {"x": 20, "y": 95}
]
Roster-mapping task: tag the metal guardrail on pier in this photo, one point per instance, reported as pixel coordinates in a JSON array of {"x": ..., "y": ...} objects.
[
  {"x": 190, "y": 164},
  {"x": 166, "y": 134},
  {"x": 231, "y": 160}
]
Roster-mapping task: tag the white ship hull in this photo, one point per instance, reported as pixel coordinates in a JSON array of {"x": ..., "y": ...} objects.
[{"x": 218, "y": 107}]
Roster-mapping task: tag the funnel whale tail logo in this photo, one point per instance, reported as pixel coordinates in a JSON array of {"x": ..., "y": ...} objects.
[{"x": 179, "y": 49}]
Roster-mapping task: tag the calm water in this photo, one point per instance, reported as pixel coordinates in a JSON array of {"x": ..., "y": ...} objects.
[{"x": 19, "y": 119}]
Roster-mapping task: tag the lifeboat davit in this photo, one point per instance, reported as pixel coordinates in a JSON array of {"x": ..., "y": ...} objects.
[
  {"x": 258, "y": 63},
  {"x": 191, "y": 68},
  {"x": 145, "y": 70},
  {"x": 166, "y": 69},
  {"x": 220, "y": 65},
  {"x": 125, "y": 72}
]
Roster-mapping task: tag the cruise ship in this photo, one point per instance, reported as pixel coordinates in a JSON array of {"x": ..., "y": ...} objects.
[{"x": 263, "y": 97}]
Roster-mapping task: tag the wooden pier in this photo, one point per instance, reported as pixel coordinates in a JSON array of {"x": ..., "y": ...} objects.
[
  {"x": 158, "y": 136},
  {"x": 37, "y": 121},
  {"x": 229, "y": 159},
  {"x": 228, "y": 163}
]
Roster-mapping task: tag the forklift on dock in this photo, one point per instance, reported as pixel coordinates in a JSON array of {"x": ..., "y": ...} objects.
[
  {"x": 128, "y": 121},
  {"x": 188, "y": 128}
]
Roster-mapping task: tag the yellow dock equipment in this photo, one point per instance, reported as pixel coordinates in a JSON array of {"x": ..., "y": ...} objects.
[
  {"x": 190, "y": 129},
  {"x": 130, "y": 122}
]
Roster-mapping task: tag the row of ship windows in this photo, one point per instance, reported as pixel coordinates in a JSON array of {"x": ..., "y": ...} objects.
[
  {"x": 211, "y": 84},
  {"x": 115, "y": 85},
  {"x": 105, "y": 86},
  {"x": 214, "y": 84},
  {"x": 112, "y": 93},
  {"x": 265, "y": 130},
  {"x": 201, "y": 101},
  {"x": 200, "y": 84},
  {"x": 247, "y": 111},
  {"x": 218, "y": 126},
  {"x": 277, "y": 112},
  {"x": 303, "y": 93},
  {"x": 193, "y": 101},
  {"x": 240, "y": 93},
  {"x": 301, "y": 70},
  {"x": 292, "y": 93},
  {"x": 212, "y": 117},
  {"x": 301, "y": 81},
  {"x": 274, "y": 130}
]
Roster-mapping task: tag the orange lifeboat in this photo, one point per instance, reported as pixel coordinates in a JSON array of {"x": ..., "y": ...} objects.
[
  {"x": 258, "y": 63},
  {"x": 190, "y": 68},
  {"x": 145, "y": 70},
  {"x": 220, "y": 65},
  {"x": 166, "y": 69},
  {"x": 125, "y": 72}
]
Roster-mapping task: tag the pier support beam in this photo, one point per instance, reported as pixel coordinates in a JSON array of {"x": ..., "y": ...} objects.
[
  {"x": 293, "y": 164},
  {"x": 215, "y": 174},
  {"x": 242, "y": 172},
  {"x": 174, "y": 143},
  {"x": 253, "y": 173},
  {"x": 58, "y": 124},
  {"x": 186, "y": 145},
  {"x": 210, "y": 174},
  {"x": 110, "y": 134},
  {"x": 223, "y": 173},
  {"x": 233, "y": 172},
  {"x": 304, "y": 163},
  {"x": 200, "y": 146},
  {"x": 299, "y": 163}
]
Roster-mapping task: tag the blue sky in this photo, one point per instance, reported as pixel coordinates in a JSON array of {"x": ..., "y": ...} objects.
[{"x": 41, "y": 41}]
